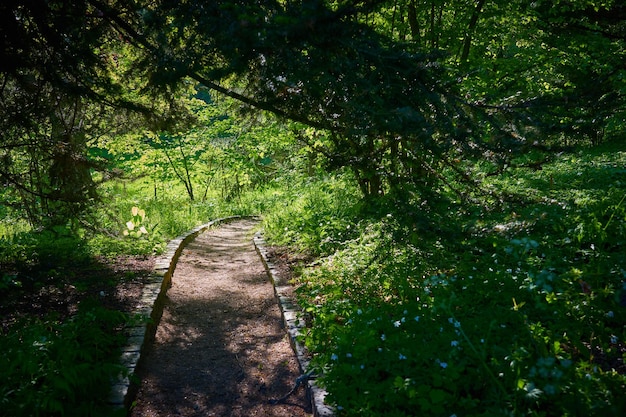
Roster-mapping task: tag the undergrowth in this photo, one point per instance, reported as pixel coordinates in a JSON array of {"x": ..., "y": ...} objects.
[
  {"x": 54, "y": 368},
  {"x": 444, "y": 309},
  {"x": 417, "y": 306}
]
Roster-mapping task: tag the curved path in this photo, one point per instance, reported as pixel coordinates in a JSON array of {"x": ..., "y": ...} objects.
[{"x": 220, "y": 348}]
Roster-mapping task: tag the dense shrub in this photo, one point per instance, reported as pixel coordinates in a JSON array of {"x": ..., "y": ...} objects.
[
  {"x": 515, "y": 311},
  {"x": 317, "y": 216},
  {"x": 52, "y": 368}
]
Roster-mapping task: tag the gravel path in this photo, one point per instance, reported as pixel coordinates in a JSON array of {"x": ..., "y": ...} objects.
[{"x": 220, "y": 348}]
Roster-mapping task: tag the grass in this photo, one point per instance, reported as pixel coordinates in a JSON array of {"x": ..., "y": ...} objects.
[{"x": 517, "y": 310}]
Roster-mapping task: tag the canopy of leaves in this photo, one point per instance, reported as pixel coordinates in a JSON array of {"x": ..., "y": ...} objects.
[
  {"x": 393, "y": 89},
  {"x": 397, "y": 87}
]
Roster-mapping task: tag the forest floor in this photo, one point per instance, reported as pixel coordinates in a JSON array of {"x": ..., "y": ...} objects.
[
  {"x": 220, "y": 348},
  {"x": 116, "y": 283}
]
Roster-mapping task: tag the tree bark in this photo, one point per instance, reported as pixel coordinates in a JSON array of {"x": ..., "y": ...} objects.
[
  {"x": 467, "y": 42},
  {"x": 413, "y": 23}
]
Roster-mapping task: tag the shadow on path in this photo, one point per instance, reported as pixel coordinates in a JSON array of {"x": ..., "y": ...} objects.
[{"x": 220, "y": 348}]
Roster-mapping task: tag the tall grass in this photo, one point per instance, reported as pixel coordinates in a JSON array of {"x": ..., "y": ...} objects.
[{"x": 167, "y": 215}]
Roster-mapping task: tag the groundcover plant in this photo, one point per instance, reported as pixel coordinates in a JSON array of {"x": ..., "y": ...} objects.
[{"x": 514, "y": 311}]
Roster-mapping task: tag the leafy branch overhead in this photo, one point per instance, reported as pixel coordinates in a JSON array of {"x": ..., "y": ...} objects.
[
  {"x": 394, "y": 91},
  {"x": 314, "y": 65},
  {"x": 393, "y": 104}
]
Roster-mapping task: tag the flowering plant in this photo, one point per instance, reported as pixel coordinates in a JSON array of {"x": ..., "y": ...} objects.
[{"x": 135, "y": 226}]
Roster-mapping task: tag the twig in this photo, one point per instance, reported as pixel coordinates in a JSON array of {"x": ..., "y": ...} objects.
[{"x": 299, "y": 381}]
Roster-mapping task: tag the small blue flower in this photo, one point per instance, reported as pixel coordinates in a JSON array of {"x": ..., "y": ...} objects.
[
  {"x": 444, "y": 365},
  {"x": 454, "y": 343},
  {"x": 383, "y": 337},
  {"x": 451, "y": 320},
  {"x": 401, "y": 357},
  {"x": 334, "y": 357},
  {"x": 397, "y": 323}
]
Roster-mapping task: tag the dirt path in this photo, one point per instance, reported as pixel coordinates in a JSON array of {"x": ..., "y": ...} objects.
[{"x": 220, "y": 349}]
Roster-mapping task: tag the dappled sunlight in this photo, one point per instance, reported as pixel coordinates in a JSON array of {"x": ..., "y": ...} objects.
[{"x": 220, "y": 344}]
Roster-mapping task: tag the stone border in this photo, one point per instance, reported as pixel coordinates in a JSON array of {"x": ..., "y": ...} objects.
[
  {"x": 124, "y": 389},
  {"x": 289, "y": 310}
]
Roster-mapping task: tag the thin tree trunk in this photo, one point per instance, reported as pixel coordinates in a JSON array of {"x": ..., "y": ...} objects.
[
  {"x": 413, "y": 23},
  {"x": 179, "y": 175},
  {"x": 467, "y": 42},
  {"x": 186, "y": 166}
]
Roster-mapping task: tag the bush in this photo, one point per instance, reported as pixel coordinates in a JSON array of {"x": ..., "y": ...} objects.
[
  {"x": 317, "y": 216},
  {"x": 502, "y": 334},
  {"x": 513, "y": 312},
  {"x": 49, "y": 368}
]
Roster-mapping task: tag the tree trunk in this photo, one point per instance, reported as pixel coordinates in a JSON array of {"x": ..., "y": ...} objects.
[
  {"x": 467, "y": 42},
  {"x": 413, "y": 23}
]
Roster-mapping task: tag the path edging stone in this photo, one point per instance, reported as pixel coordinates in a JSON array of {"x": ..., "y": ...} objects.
[
  {"x": 294, "y": 325},
  {"x": 124, "y": 389}
]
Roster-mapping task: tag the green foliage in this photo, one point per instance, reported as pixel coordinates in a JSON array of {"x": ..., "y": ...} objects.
[
  {"x": 50, "y": 368},
  {"x": 316, "y": 215},
  {"x": 424, "y": 291},
  {"x": 396, "y": 92},
  {"x": 53, "y": 102},
  {"x": 384, "y": 102},
  {"x": 58, "y": 246},
  {"x": 517, "y": 311}
]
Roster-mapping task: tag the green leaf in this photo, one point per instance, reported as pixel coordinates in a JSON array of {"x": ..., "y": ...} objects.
[{"x": 437, "y": 396}]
